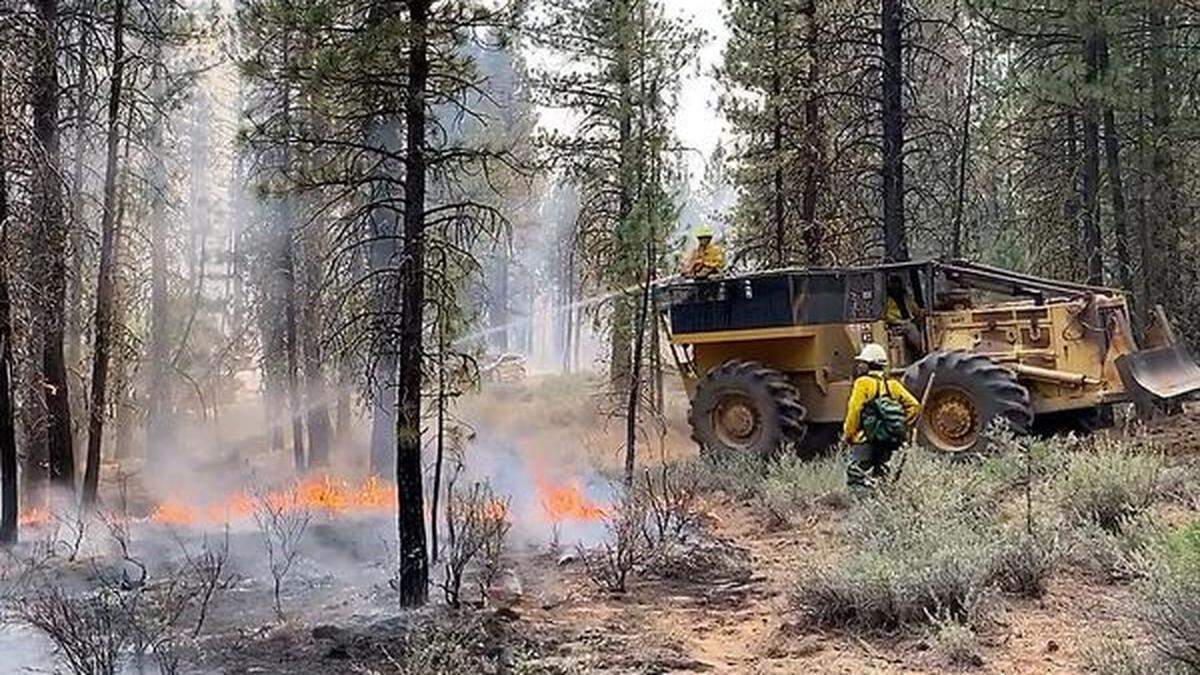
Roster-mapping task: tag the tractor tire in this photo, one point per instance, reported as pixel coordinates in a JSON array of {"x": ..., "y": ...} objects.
[
  {"x": 746, "y": 407},
  {"x": 970, "y": 392}
]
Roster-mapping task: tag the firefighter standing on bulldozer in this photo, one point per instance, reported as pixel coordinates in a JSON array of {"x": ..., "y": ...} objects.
[
  {"x": 879, "y": 416},
  {"x": 705, "y": 261}
]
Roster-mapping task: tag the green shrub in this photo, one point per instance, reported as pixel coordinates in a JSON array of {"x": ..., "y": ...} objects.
[
  {"x": 959, "y": 645},
  {"x": 1108, "y": 486},
  {"x": 793, "y": 486},
  {"x": 1170, "y": 600},
  {"x": 1119, "y": 657},
  {"x": 922, "y": 552},
  {"x": 738, "y": 474},
  {"x": 1115, "y": 556},
  {"x": 1022, "y": 564}
]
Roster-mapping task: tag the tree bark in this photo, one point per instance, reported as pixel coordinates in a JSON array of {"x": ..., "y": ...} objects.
[
  {"x": 8, "y": 432},
  {"x": 814, "y": 143},
  {"x": 895, "y": 237},
  {"x": 105, "y": 287},
  {"x": 320, "y": 431},
  {"x": 1116, "y": 187},
  {"x": 621, "y": 334},
  {"x": 1092, "y": 244},
  {"x": 414, "y": 561},
  {"x": 956, "y": 247},
  {"x": 1159, "y": 256},
  {"x": 778, "y": 226},
  {"x": 52, "y": 239}
]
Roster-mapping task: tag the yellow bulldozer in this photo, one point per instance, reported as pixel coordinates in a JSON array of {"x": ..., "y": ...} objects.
[{"x": 767, "y": 358}]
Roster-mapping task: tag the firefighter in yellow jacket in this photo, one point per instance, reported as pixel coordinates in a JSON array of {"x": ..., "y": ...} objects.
[
  {"x": 879, "y": 416},
  {"x": 705, "y": 261}
]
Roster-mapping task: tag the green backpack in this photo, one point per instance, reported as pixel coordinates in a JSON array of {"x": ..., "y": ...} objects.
[{"x": 882, "y": 419}]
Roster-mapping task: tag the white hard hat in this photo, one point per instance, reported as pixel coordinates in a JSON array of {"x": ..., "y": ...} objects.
[{"x": 874, "y": 354}]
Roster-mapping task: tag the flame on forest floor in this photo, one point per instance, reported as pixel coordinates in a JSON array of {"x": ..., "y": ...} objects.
[
  {"x": 567, "y": 501},
  {"x": 33, "y": 517},
  {"x": 318, "y": 494}
]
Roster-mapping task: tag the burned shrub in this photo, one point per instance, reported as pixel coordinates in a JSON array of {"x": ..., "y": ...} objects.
[
  {"x": 625, "y": 547},
  {"x": 282, "y": 524},
  {"x": 477, "y": 527},
  {"x": 91, "y": 632}
]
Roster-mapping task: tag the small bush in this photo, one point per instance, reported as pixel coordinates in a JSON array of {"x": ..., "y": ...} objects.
[
  {"x": 959, "y": 645},
  {"x": 1113, "y": 556},
  {"x": 1108, "y": 486},
  {"x": 625, "y": 548},
  {"x": 1118, "y": 657},
  {"x": 794, "y": 487},
  {"x": 1022, "y": 565},
  {"x": 737, "y": 474},
  {"x": 922, "y": 552},
  {"x": 1170, "y": 601}
]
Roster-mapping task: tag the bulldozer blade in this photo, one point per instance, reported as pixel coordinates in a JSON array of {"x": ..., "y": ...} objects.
[{"x": 1159, "y": 374}]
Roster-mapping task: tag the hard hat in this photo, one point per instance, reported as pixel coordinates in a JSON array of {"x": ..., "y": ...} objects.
[
  {"x": 704, "y": 230},
  {"x": 873, "y": 353}
]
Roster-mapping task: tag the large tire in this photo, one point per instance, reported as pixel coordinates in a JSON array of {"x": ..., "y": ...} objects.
[
  {"x": 746, "y": 407},
  {"x": 970, "y": 392}
]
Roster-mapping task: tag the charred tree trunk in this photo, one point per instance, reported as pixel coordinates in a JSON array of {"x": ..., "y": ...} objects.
[
  {"x": 105, "y": 288},
  {"x": 8, "y": 431},
  {"x": 895, "y": 237},
  {"x": 1092, "y": 244},
  {"x": 51, "y": 251},
  {"x": 1116, "y": 186},
  {"x": 414, "y": 561}
]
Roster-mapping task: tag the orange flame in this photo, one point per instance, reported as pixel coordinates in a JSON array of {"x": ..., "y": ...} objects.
[
  {"x": 33, "y": 517},
  {"x": 320, "y": 494},
  {"x": 567, "y": 502}
]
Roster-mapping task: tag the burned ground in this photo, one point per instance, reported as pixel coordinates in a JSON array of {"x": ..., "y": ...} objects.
[{"x": 721, "y": 599}]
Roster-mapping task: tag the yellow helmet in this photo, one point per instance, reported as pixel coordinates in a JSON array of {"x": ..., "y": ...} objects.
[
  {"x": 873, "y": 354},
  {"x": 702, "y": 231}
]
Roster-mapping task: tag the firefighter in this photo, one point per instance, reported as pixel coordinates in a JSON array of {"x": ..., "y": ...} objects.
[
  {"x": 901, "y": 312},
  {"x": 705, "y": 261},
  {"x": 879, "y": 416}
]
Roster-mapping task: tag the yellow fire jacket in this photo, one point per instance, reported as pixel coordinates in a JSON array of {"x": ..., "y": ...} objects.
[
  {"x": 704, "y": 261},
  {"x": 866, "y": 388}
]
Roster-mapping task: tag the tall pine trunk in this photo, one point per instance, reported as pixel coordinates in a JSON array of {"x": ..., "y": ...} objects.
[
  {"x": 814, "y": 142},
  {"x": 51, "y": 247},
  {"x": 1090, "y": 236},
  {"x": 1116, "y": 188},
  {"x": 105, "y": 288},
  {"x": 621, "y": 336},
  {"x": 778, "y": 225},
  {"x": 895, "y": 237},
  {"x": 414, "y": 562},
  {"x": 320, "y": 431},
  {"x": 8, "y": 432},
  {"x": 1159, "y": 255}
]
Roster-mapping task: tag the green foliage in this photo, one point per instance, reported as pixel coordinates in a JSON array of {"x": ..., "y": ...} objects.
[
  {"x": 1108, "y": 486},
  {"x": 792, "y": 487},
  {"x": 958, "y": 644}
]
